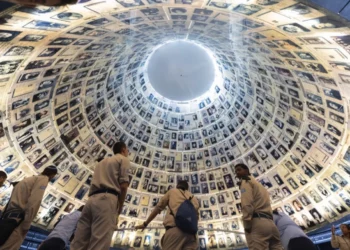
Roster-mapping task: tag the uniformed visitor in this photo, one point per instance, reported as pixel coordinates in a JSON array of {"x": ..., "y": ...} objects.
[
  {"x": 342, "y": 242},
  {"x": 3, "y": 177},
  {"x": 292, "y": 236},
  {"x": 63, "y": 232},
  {"x": 106, "y": 198},
  {"x": 22, "y": 208},
  {"x": 174, "y": 237},
  {"x": 260, "y": 230}
]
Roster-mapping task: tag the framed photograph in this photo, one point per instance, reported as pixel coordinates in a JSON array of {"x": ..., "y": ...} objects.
[
  {"x": 293, "y": 28},
  {"x": 45, "y": 25},
  {"x": 8, "y": 67},
  {"x": 8, "y": 35},
  {"x": 68, "y": 16},
  {"x": 247, "y": 9},
  {"x": 33, "y": 38}
]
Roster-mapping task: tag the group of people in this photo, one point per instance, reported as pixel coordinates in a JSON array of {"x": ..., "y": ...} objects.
[
  {"x": 91, "y": 227},
  {"x": 268, "y": 229}
]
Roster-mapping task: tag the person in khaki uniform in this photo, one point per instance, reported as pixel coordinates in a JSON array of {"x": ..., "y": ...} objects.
[
  {"x": 106, "y": 198},
  {"x": 341, "y": 242},
  {"x": 3, "y": 177},
  {"x": 24, "y": 205},
  {"x": 260, "y": 230},
  {"x": 174, "y": 238}
]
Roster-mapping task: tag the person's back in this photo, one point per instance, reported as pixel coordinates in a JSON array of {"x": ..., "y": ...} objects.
[
  {"x": 261, "y": 198},
  {"x": 260, "y": 231},
  {"x": 61, "y": 234},
  {"x": 22, "y": 207},
  {"x": 175, "y": 238},
  {"x": 292, "y": 236},
  {"x": 176, "y": 198},
  {"x": 106, "y": 198},
  {"x": 65, "y": 228},
  {"x": 23, "y": 189},
  {"x": 105, "y": 176}
]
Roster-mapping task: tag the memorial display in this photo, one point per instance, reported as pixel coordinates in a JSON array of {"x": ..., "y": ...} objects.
[{"x": 76, "y": 79}]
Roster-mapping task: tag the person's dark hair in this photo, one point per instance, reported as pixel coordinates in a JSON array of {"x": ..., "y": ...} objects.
[
  {"x": 81, "y": 208},
  {"x": 65, "y": 2},
  {"x": 118, "y": 147},
  {"x": 3, "y": 174},
  {"x": 241, "y": 165},
  {"x": 50, "y": 170},
  {"x": 275, "y": 212},
  {"x": 183, "y": 185},
  {"x": 347, "y": 226}
]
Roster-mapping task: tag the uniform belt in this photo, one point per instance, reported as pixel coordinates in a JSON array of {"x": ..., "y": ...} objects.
[
  {"x": 262, "y": 215},
  {"x": 167, "y": 228},
  {"x": 102, "y": 191},
  {"x": 14, "y": 216}
]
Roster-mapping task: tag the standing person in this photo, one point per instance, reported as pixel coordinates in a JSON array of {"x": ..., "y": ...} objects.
[
  {"x": 174, "y": 237},
  {"x": 260, "y": 231},
  {"x": 106, "y": 198},
  {"x": 3, "y": 177},
  {"x": 292, "y": 236},
  {"x": 21, "y": 209},
  {"x": 341, "y": 242},
  {"x": 63, "y": 232}
]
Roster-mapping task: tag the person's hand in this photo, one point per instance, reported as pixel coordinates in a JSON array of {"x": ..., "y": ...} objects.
[
  {"x": 142, "y": 227},
  {"x": 333, "y": 229},
  {"x": 116, "y": 223}
]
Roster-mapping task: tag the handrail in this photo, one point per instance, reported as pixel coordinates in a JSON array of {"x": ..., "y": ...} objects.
[{"x": 206, "y": 229}]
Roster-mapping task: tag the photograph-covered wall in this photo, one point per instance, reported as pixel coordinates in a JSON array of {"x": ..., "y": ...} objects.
[{"x": 73, "y": 81}]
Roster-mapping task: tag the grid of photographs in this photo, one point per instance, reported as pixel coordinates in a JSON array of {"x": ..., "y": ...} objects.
[{"x": 74, "y": 81}]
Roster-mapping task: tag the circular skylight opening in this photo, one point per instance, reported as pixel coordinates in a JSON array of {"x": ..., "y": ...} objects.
[{"x": 181, "y": 70}]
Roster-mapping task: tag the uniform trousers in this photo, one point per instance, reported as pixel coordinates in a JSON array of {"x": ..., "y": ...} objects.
[
  {"x": 16, "y": 239},
  {"x": 264, "y": 235},
  {"x": 53, "y": 244},
  {"x": 301, "y": 243},
  {"x": 97, "y": 223},
  {"x": 175, "y": 239}
]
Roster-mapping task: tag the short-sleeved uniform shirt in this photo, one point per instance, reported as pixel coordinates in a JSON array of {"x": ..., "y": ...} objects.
[
  {"x": 27, "y": 195},
  {"x": 254, "y": 199},
  {"x": 173, "y": 199},
  {"x": 110, "y": 173}
]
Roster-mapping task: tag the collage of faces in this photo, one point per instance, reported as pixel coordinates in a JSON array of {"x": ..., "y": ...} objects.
[{"x": 74, "y": 81}]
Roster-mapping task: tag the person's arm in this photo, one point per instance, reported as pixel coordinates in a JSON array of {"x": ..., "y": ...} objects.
[
  {"x": 164, "y": 201},
  {"x": 196, "y": 205},
  {"x": 121, "y": 198},
  {"x": 247, "y": 205},
  {"x": 34, "y": 200},
  {"x": 124, "y": 182},
  {"x": 334, "y": 240}
]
